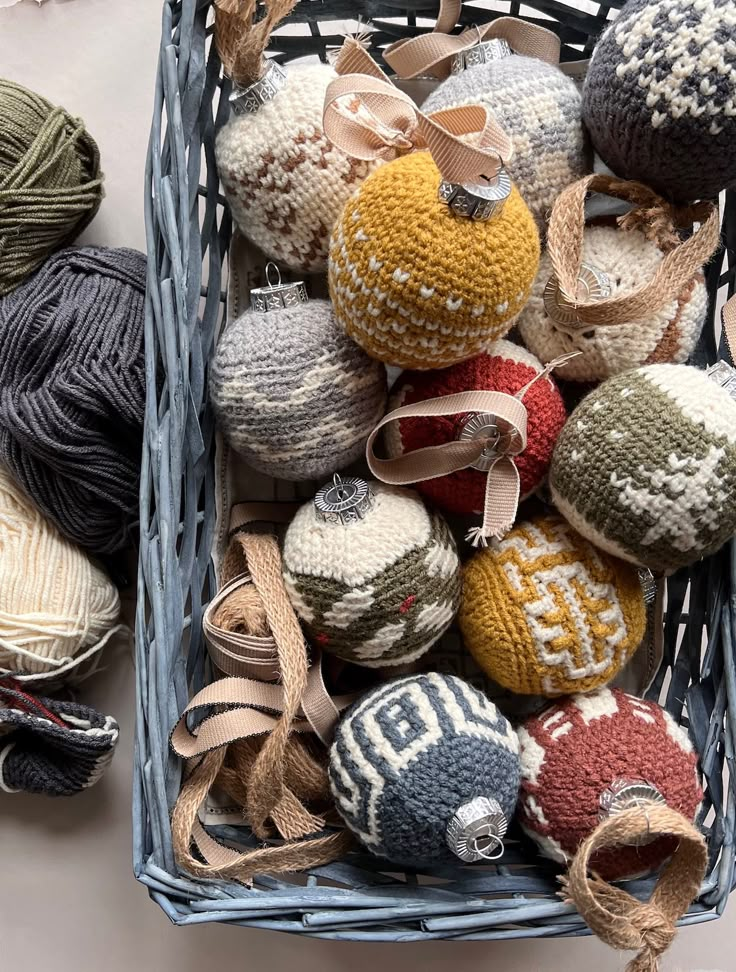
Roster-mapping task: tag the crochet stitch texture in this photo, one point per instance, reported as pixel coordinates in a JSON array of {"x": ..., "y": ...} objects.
[
  {"x": 645, "y": 467},
  {"x": 409, "y": 754},
  {"x": 575, "y": 749},
  {"x": 380, "y": 591},
  {"x": 419, "y": 287},
  {"x": 545, "y": 613}
]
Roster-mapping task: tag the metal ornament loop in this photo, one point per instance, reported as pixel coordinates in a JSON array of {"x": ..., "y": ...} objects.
[
  {"x": 476, "y": 830},
  {"x": 477, "y": 202},
  {"x": 592, "y": 284},
  {"x": 626, "y": 794},
  {"x": 484, "y": 425},
  {"x": 247, "y": 101},
  {"x": 274, "y": 296},
  {"x": 344, "y": 500},
  {"x": 481, "y": 53}
]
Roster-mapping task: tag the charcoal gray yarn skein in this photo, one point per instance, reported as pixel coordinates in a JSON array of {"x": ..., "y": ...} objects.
[
  {"x": 293, "y": 394},
  {"x": 72, "y": 391}
]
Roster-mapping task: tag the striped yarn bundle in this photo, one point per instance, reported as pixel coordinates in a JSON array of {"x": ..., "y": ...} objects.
[
  {"x": 630, "y": 261},
  {"x": 50, "y": 181},
  {"x": 379, "y": 591},
  {"x": 504, "y": 368},
  {"x": 540, "y": 108},
  {"x": 419, "y": 287},
  {"x": 293, "y": 394},
  {"x": 57, "y": 608},
  {"x": 285, "y": 182},
  {"x": 545, "y": 613},
  {"x": 645, "y": 467},
  {"x": 73, "y": 390},
  {"x": 574, "y": 751},
  {"x": 412, "y": 752}
]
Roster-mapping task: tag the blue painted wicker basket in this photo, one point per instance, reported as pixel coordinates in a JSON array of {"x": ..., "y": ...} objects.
[{"x": 188, "y": 231}]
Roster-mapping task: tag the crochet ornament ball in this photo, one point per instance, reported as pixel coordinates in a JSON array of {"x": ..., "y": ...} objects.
[
  {"x": 412, "y": 753},
  {"x": 293, "y": 394},
  {"x": 545, "y": 613},
  {"x": 416, "y": 285},
  {"x": 629, "y": 260},
  {"x": 645, "y": 467},
  {"x": 377, "y": 591},
  {"x": 505, "y": 368},
  {"x": 577, "y": 753},
  {"x": 285, "y": 182},
  {"x": 540, "y": 108},
  {"x": 659, "y": 96}
]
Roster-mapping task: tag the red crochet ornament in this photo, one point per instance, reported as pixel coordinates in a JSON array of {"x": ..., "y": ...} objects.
[
  {"x": 504, "y": 368},
  {"x": 573, "y": 752}
]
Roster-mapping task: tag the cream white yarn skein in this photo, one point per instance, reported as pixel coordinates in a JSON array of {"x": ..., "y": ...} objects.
[{"x": 56, "y": 606}]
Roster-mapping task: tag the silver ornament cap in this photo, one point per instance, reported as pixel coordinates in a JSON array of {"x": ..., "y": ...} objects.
[
  {"x": 483, "y": 425},
  {"x": 247, "y": 101},
  {"x": 344, "y": 500},
  {"x": 724, "y": 375},
  {"x": 477, "y": 202},
  {"x": 627, "y": 794},
  {"x": 476, "y": 830},
  {"x": 481, "y": 53},
  {"x": 592, "y": 284},
  {"x": 277, "y": 294}
]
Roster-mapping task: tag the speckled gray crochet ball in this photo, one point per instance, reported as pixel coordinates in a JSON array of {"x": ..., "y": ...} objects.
[
  {"x": 293, "y": 394},
  {"x": 659, "y": 96},
  {"x": 409, "y": 754},
  {"x": 540, "y": 109}
]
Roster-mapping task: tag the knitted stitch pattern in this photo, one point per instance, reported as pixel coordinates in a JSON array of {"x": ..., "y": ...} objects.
[
  {"x": 659, "y": 96},
  {"x": 544, "y": 613},
  {"x": 286, "y": 183},
  {"x": 293, "y": 394},
  {"x": 73, "y": 391},
  {"x": 646, "y": 466},
  {"x": 506, "y": 368},
  {"x": 419, "y": 287},
  {"x": 409, "y": 754},
  {"x": 380, "y": 591},
  {"x": 630, "y": 261},
  {"x": 573, "y": 751},
  {"x": 540, "y": 108}
]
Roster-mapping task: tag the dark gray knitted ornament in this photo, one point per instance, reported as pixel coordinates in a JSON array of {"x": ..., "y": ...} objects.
[
  {"x": 659, "y": 96},
  {"x": 425, "y": 771}
]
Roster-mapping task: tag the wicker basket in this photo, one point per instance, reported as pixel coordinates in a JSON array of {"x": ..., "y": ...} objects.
[{"x": 188, "y": 233}]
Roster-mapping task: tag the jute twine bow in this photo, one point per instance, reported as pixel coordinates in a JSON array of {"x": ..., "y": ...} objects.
[
  {"x": 652, "y": 215},
  {"x": 242, "y": 32},
  {"x": 432, "y": 54},
  {"x": 368, "y": 118},
  {"x": 246, "y": 743},
  {"x": 616, "y": 917},
  {"x": 431, "y": 462}
]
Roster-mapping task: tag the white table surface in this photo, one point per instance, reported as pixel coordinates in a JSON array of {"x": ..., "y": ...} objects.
[{"x": 68, "y": 899}]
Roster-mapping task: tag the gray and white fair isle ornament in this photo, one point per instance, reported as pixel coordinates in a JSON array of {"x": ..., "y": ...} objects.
[
  {"x": 372, "y": 573},
  {"x": 659, "y": 96},
  {"x": 291, "y": 391},
  {"x": 425, "y": 771},
  {"x": 645, "y": 467}
]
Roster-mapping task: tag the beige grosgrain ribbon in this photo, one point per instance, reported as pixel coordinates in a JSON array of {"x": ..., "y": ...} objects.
[
  {"x": 432, "y": 54},
  {"x": 431, "y": 462},
  {"x": 729, "y": 325},
  {"x": 656, "y": 218},
  {"x": 368, "y": 118}
]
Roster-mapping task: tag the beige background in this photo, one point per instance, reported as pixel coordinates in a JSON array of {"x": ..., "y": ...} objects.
[{"x": 68, "y": 899}]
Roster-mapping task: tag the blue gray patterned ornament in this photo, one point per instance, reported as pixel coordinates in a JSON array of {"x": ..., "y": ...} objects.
[{"x": 425, "y": 771}]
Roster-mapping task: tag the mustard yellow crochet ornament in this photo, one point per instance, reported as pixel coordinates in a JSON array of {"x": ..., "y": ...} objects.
[
  {"x": 434, "y": 256},
  {"x": 544, "y": 612}
]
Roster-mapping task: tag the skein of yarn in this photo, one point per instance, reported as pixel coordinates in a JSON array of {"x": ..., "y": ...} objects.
[
  {"x": 50, "y": 181},
  {"x": 72, "y": 391},
  {"x": 57, "y": 608}
]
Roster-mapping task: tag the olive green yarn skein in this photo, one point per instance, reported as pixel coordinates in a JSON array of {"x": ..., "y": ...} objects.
[{"x": 50, "y": 181}]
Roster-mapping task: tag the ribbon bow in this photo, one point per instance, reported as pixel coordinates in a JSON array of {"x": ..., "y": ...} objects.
[
  {"x": 433, "y": 53},
  {"x": 432, "y": 462},
  {"x": 367, "y": 117}
]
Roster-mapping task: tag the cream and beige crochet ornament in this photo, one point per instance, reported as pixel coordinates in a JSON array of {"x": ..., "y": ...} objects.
[
  {"x": 638, "y": 287},
  {"x": 511, "y": 67},
  {"x": 435, "y": 254},
  {"x": 285, "y": 182}
]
